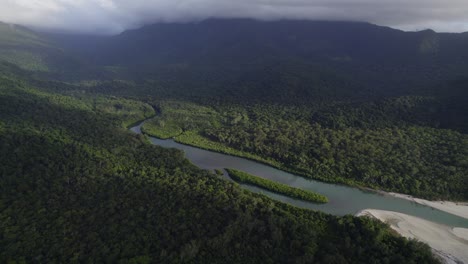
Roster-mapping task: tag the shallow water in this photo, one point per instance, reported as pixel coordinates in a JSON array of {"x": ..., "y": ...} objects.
[{"x": 342, "y": 199}]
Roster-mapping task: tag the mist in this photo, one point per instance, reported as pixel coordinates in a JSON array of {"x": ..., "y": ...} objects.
[{"x": 114, "y": 16}]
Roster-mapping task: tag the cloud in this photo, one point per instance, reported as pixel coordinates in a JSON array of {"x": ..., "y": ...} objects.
[{"x": 113, "y": 16}]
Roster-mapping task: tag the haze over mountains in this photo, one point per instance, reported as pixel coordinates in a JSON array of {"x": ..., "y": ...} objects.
[
  {"x": 304, "y": 60},
  {"x": 373, "y": 55},
  {"x": 310, "y": 58},
  {"x": 229, "y": 54},
  {"x": 115, "y": 16},
  {"x": 340, "y": 102}
]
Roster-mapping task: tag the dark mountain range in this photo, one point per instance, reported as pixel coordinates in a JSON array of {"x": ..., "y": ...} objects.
[
  {"x": 250, "y": 39},
  {"x": 353, "y": 58},
  {"x": 248, "y": 60}
]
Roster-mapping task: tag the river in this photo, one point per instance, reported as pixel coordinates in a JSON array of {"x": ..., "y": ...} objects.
[{"x": 342, "y": 199}]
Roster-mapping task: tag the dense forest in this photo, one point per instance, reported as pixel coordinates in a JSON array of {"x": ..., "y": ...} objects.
[
  {"x": 77, "y": 187},
  {"x": 365, "y": 106},
  {"x": 391, "y": 145}
]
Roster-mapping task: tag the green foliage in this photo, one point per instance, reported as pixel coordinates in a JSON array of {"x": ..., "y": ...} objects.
[
  {"x": 75, "y": 187},
  {"x": 24, "y": 59},
  {"x": 276, "y": 187},
  {"x": 178, "y": 117},
  {"x": 14, "y": 35},
  {"x": 186, "y": 122},
  {"x": 416, "y": 160},
  {"x": 35, "y": 52},
  {"x": 23, "y": 48},
  {"x": 129, "y": 111},
  {"x": 386, "y": 145}
]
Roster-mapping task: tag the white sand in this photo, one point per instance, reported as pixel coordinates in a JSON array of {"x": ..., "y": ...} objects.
[
  {"x": 449, "y": 243},
  {"x": 459, "y": 209},
  {"x": 461, "y": 233}
]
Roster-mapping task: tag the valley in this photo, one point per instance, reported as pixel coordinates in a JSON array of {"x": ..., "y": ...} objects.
[{"x": 343, "y": 114}]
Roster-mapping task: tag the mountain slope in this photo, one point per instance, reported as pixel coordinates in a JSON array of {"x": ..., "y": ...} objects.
[
  {"x": 221, "y": 55},
  {"x": 32, "y": 51},
  {"x": 304, "y": 92}
]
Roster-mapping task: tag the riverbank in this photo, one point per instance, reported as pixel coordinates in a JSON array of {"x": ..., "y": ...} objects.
[
  {"x": 191, "y": 138},
  {"x": 340, "y": 203},
  {"x": 449, "y": 243},
  {"x": 276, "y": 187},
  {"x": 459, "y": 209}
]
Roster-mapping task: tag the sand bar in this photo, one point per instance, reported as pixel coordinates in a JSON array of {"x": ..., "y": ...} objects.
[
  {"x": 459, "y": 209},
  {"x": 449, "y": 243}
]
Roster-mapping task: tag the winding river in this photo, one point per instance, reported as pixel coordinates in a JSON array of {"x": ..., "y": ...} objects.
[{"x": 342, "y": 199}]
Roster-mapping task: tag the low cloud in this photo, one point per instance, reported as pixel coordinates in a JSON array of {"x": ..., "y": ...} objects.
[{"x": 114, "y": 16}]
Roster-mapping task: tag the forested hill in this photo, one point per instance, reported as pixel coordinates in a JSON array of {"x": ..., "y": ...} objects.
[
  {"x": 77, "y": 187},
  {"x": 294, "y": 58},
  {"x": 35, "y": 52},
  {"x": 345, "y": 79},
  {"x": 250, "y": 39}
]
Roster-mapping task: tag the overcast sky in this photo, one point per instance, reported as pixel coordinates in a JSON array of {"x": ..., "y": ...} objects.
[{"x": 114, "y": 16}]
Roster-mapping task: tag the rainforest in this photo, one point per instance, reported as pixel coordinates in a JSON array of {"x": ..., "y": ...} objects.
[{"x": 352, "y": 110}]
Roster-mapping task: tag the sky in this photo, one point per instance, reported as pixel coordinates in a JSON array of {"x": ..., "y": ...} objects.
[{"x": 115, "y": 16}]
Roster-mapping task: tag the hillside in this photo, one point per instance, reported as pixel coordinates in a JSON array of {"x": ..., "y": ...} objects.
[
  {"x": 77, "y": 187},
  {"x": 342, "y": 102},
  {"x": 304, "y": 59},
  {"x": 33, "y": 51}
]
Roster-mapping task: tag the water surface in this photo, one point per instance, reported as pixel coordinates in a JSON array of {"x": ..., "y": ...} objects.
[{"x": 342, "y": 199}]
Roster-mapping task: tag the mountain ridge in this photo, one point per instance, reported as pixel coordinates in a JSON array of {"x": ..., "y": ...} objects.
[
  {"x": 381, "y": 58},
  {"x": 306, "y": 55}
]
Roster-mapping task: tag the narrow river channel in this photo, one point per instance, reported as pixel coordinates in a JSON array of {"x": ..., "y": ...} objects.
[{"x": 342, "y": 199}]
